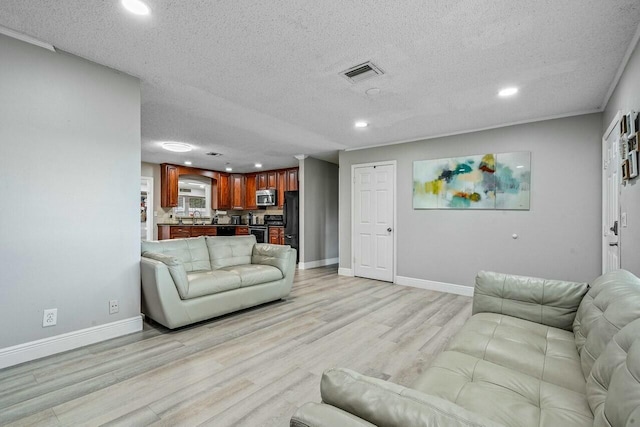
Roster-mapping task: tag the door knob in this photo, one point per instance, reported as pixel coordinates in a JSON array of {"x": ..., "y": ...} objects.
[{"x": 389, "y": 229}]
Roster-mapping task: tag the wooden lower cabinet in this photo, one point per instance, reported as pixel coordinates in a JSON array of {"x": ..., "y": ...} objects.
[
  {"x": 181, "y": 231},
  {"x": 276, "y": 235},
  {"x": 242, "y": 231}
]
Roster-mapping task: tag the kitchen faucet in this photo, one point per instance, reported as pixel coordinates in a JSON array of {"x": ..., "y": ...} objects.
[{"x": 199, "y": 215}]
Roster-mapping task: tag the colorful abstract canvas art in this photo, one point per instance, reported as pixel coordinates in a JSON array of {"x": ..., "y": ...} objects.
[{"x": 489, "y": 181}]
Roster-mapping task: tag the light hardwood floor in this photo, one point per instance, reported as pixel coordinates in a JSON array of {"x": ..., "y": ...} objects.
[{"x": 251, "y": 368}]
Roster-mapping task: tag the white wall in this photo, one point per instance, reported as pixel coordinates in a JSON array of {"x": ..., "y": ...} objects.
[
  {"x": 153, "y": 171},
  {"x": 558, "y": 238},
  {"x": 319, "y": 180},
  {"x": 70, "y": 163},
  {"x": 627, "y": 97}
]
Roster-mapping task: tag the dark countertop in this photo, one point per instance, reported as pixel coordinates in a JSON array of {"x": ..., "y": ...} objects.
[{"x": 175, "y": 224}]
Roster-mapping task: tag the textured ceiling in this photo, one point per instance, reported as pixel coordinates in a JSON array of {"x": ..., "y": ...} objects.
[{"x": 259, "y": 81}]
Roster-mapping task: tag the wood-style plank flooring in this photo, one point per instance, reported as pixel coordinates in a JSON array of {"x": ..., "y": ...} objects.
[{"x": 251, "y": 368}]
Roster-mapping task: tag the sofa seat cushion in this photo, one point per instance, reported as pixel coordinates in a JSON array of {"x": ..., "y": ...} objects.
[
  {"x": 211, "y": 282},
  {"x": 503, "y": 394},
  {"x": 254, "y": 274},
  {"x": 543, "y": 352}
]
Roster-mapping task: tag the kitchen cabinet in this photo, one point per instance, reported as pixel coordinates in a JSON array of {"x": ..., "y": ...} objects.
[
  {"x": 276, "y": 235},
  {"x": 292, "y": 179},
  {"x": 242, "y": 231},
  {"x": 250, "y": 191},
  {"x": 272, "y": 180},
  {"x": 202, "y": 230},
  {"x": 167, "y": 231},
  {"x": 237, "y": 190},
  {"x": 262, "y": 180},
  {"x": 282, "y": 187},
  {"x": 168, "y": 185},
  {"x": 223, "y": 193}
]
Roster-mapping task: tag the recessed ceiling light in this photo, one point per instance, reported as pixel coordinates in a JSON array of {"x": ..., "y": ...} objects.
[
  {"x": 228, "y": 169},
  {"x": 508, "y": 91},
  {"x": 177, "y": 147},
  {"x": 188, "y": 163},
  {"x": 258, "y": 165},
  {"x": 136, "y": 7},
  {"x": 361, "y": 124},
  {"x": 374, "y": 91}
]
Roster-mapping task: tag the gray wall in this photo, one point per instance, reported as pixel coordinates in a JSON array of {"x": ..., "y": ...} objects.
[
  {"x": 69, "y": 177},
  {"x": 627, "y": 97},
  {"x": 558, "y": 238},
  {"x": 153, "y": 170},
  {"x": 320, "y": 183}
]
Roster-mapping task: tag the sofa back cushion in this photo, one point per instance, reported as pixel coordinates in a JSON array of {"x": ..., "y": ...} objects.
[
  {"x": 229, "y": 251},
  {"x": 612, "y": 302},
  {"x": 613, "y": 387},
  {"x": 192, "y": 251}
]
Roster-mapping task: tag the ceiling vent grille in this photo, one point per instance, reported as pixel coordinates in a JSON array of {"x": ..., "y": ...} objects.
[
  {"x": 211, "y": 153},
  {"x": 362, "y": 72}
]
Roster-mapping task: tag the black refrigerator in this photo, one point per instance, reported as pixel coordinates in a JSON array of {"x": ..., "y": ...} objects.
[{"x": 291, "y": 219}]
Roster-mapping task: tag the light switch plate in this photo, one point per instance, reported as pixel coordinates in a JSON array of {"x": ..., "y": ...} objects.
[{"x": 623, "y": 219}]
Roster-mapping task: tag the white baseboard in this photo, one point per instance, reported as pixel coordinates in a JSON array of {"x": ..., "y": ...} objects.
[
  {"x": 435, "y": 286},
  {"x": 345, "y": 272},
  {"x": 47, "y": 346},
  {"x": 318, "y": 263}
]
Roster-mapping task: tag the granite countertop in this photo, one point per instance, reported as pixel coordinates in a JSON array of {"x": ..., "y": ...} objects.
[{"x": 202, "y": 225}]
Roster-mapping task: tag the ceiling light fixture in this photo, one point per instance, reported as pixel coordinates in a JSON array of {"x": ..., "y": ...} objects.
[
  {"x": 136, "y": 7},
  {"x": 177, "y": 147},
  {"x": 361, "y": 124},
  {"x": 188, "y": 163},
  {"x": 228, "y": 169},
  {"x": 508, "y": 91},
  {"x": 258, "y": 165}
]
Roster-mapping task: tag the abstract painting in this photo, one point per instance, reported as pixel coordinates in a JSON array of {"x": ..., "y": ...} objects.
[{"x": 486, "y": 181}]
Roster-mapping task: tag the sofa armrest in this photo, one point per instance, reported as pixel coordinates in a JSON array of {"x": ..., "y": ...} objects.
[
  {"x": 282, "y": 257},
  {"x": 548, "y": 302},
  {"x": 176, "y": 269},
  {"x": 321, "y": 415},
  {"x": 386, "y": 404}
]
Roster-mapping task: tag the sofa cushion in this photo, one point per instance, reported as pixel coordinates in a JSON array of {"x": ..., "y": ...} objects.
[
  {"x": 503, "y": 394},
  {"x": 543, "y": 352},
  {"x": 192, "y": 251},
  {"x": 612, "y": 302},
  {"x": 226, "y": 251},
  {"x": 549, "y": 302},
  {"x": 211, "y": 282},
  {"x": 255, "y": 274},
  {"x": 613, "y": 388}
]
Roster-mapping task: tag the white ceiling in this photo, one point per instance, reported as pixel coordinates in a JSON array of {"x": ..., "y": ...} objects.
[{"x": 259, "y": 80}]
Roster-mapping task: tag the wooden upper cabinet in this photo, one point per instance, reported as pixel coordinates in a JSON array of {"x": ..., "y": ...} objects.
[
  {"x": 282, "y": 187},
  {"x": 272, "y": 182},
  {"x": 262, "y": 181},
  {"x": 168, "y": 186},
  {"x": 250, "y": 191},
  {"x": 292, "y": 179},
  {"x": 237, "y": 182},
  {"x": 224, "y": 195}
]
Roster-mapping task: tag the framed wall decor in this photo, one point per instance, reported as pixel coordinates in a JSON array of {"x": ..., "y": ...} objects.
[
  {"x": 625, "y": 169},
  {"x": 633, "y": 164},
  {"x": 484, "y": 181}
]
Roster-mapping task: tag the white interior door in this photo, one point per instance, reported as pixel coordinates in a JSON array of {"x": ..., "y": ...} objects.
[
  {"x": 373, "y": 221},
  {"x": 146, "y": 210},
  {"x": 610, "y": 197}
]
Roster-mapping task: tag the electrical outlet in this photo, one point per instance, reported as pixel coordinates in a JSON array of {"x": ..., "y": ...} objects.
[
  {"x": 50, "y": 317},
  {"x": 114, "y": 307}
]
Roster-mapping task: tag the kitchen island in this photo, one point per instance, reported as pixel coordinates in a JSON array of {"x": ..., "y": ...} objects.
[{"x": 179, "y": 231}]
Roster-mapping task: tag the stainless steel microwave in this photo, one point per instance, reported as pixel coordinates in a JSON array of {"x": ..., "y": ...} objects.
[{"x": 266, "y": 197}]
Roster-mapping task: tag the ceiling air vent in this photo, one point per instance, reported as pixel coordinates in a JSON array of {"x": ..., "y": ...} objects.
[
  {"x": 211, "y": 153},
  {"x": 362, "y": 72}
]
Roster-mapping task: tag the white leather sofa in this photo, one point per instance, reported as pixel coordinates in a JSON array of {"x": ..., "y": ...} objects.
[{"x": 189, "y": 280}]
